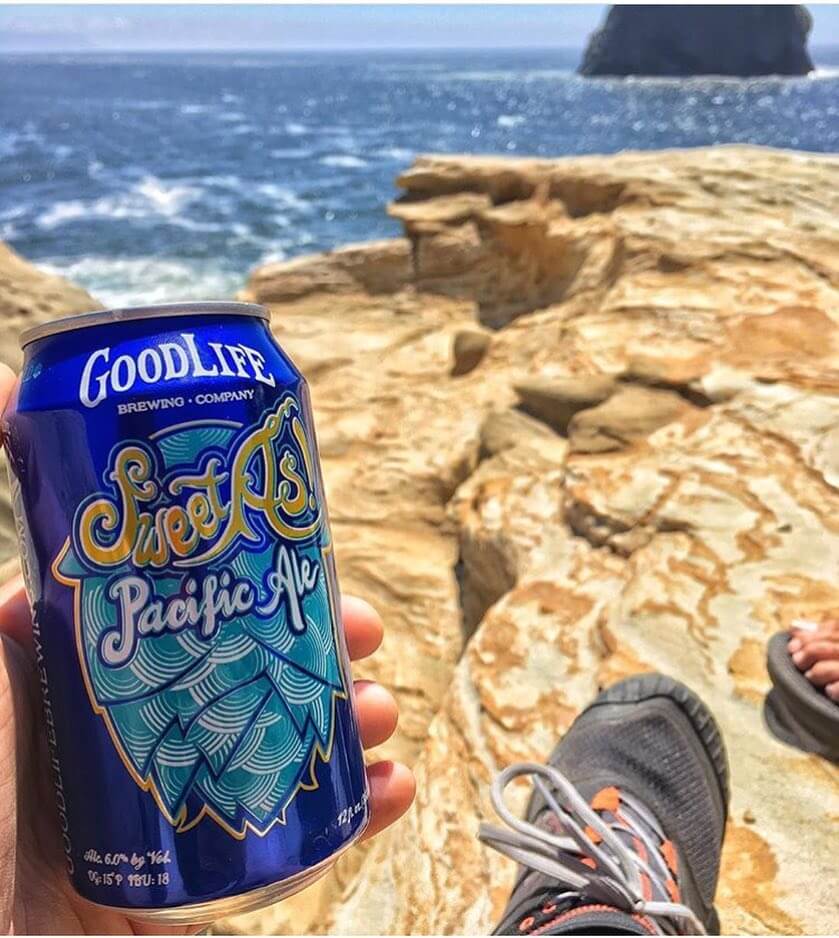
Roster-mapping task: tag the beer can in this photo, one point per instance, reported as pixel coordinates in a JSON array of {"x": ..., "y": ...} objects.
[{"x": 178, "y": 560}]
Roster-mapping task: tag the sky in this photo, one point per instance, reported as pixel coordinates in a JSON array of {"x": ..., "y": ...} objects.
[{"x": 47, "y": 28}]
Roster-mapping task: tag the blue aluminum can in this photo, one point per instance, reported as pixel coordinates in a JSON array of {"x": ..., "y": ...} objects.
[{"x": 177, "y": 554}]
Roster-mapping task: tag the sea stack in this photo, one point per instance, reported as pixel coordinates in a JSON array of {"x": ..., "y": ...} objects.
[{"x": 700, "y": 40}]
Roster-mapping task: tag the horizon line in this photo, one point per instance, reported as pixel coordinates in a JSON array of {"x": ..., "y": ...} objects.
[
  {"x": 250, "y": 50},
  {"x": 86, "y": 50},
  {"x": 237, "y": 50}
]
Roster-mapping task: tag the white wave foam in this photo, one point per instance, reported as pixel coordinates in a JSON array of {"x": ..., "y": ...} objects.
[
  {"x": 17, "y": 211},
  {"x": 166, "y": 198},
  {"x": 226, "y": 180},
  {"x": 290, "y": 153},
  {"x": 510, "y": 120},
  {"x": 395, "y": 153},
  {"x": 181, "y": 221},
  {"x": 280, "y": 248},
  {"x": 273, "y": 256},
  {"x": 532, "y": 74},
  {"x": 13, "y": 140},
  {"x": 229, "y": 98},
  {"x": 129, "y": 104},
  {"x": 296, "y": 130},
  {"x": 343, "y": 160},
  {"x": 150, "y": 196},
  {"x": 142, "y": 280},
  {"x": 62, "y": 212},
  {"x": 245, "y": 234},
  {"x": 391, "y": 69},
  {"x": 284, "y": 196},
  {"x": 8, "y": 143},
  {"x": 194, "y": 109}
]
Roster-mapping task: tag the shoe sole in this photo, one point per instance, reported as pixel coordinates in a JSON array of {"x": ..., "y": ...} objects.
[{"x": 645, "y": 687}]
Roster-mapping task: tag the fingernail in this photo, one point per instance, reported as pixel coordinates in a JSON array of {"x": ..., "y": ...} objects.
[
  {"x": 798, "y": 657},
  {"x": 832, "y": 690},
  {"x": 794, "y": 645}
]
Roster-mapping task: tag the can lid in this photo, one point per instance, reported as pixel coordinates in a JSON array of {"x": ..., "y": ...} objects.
[{"x": 102, "y": 317}]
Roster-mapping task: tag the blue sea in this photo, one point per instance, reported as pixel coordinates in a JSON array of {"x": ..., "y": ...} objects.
[{"x": 149, "y": 178}]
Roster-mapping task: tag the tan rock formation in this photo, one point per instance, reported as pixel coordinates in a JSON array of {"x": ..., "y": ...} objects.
[
  {"x": 555, "y": 401},
  {"x": 690, "y": 513},
  {"x": 673, "y": 522},
  {"x": 468, "y": 350},
  {"x": 377, "y": 267},
  {"x": 28, "y": 296}
]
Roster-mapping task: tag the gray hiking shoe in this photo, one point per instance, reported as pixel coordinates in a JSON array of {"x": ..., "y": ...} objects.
[{"x": 624, "y": 829}]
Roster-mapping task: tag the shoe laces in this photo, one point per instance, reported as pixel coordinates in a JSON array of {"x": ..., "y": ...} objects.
[{"x": 599, "y": 855}]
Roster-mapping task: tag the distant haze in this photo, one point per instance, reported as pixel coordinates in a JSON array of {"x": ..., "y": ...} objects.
[{"x": 54, "y": 28}]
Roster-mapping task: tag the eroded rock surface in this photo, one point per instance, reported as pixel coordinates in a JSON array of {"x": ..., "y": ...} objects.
[
  {"x": 640, "y": 472},
  {"x": 673, "y": 521}
]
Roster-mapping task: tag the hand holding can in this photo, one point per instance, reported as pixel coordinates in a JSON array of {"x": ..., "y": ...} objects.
[{"x": 179, "y": 563}]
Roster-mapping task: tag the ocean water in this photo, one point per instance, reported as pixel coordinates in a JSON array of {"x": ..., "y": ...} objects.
[{"x": 151, "y": 178}]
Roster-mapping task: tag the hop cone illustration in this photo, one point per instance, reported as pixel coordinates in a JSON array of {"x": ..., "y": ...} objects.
[{"x": 226, "y": 724}]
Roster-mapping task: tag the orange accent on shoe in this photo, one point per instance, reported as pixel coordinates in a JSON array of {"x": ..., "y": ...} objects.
[
  {"x": 592, "y": 835},
  {"x": 589, "y": 861},
  {"x": 607, "y": 799},
  {"x": 646, "y": 887},
  {"x": 642, "y": 920},
  {"x": 673, "y": 890},
  {"x": 646, "y": 922},
  {"x": 668, "y": 851},
  {"x": 526, "y": 923},
  {"x": 547, "y": 909}
]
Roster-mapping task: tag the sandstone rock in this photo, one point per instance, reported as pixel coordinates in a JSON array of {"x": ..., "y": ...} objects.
[
  {"x": 29, "y": 296},
  {"x": 684, "y": 376},
  {"x": 711, "y": 526},
  {"x": 505, "y": 429},
  {"x": 629, "y": 415},
  {"x": 435, "y": 213},
  {"x": 469, "y": 348},
  {"x": 378, "y": 267},
  {"x": 525, "y": 479},
  {"x": 451, "y": 261},
  {"x": 556, "y": 400},
  {"x": 728, "y": 39}
]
